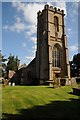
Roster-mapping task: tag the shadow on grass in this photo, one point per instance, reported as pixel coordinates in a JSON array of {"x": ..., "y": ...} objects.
[
  {"x": 74, "y": 94},
  {"x": 54, "y": 110}
]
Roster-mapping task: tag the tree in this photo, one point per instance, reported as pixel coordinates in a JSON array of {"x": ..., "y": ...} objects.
[
  {"x": 2, "y": 65},
  {"x": 13, "y": 63},
  {"x": 75, "y": 65}
]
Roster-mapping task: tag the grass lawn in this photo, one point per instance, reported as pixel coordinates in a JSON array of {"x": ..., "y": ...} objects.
[{"x": 39, "y": 102}]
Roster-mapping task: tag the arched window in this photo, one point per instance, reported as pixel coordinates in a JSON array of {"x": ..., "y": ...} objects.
[
  {"x": 56, "y": 23},
  {"x": 56, "y": 57}
]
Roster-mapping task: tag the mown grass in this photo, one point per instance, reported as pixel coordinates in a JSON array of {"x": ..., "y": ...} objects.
[{"x": 39, "y": 102}]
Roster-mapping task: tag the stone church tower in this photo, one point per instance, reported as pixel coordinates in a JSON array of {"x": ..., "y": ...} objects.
[{"x": 52, "y": 50}]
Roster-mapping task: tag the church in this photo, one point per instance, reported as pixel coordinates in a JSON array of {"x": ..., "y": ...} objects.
[{"x": 52, "y": 51}]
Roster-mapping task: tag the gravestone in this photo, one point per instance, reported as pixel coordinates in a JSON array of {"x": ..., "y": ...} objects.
[
  {"x": 68, "y": 81},
  {"x": 73, "y": 81},
  {"x": 9, "y": 83},
  {"x": 13, "y": 84}
]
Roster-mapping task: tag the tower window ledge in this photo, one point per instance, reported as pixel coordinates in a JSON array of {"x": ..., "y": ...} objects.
[{"x": 56, "y": 68}]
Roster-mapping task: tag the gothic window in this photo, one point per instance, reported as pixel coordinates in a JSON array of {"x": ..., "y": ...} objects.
[
  {"x": 55, "y": 57},
  {"x": 56, "y": 23}
]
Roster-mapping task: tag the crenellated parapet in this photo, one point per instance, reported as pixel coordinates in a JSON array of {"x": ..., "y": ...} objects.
[
  {"x": 54, "y": 9},
  {"x": 51, "y": 8}
]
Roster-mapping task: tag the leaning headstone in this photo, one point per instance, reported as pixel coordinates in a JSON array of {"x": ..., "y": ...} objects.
[
  {"x": 9, "y": 83},
  {"x": 13, "y": 84},
  {"x": 73, "y": 81},
  {"x": 68, "y": 81}
]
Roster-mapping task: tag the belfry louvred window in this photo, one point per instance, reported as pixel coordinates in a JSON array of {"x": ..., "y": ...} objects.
[{"x": 56, "y": 23}]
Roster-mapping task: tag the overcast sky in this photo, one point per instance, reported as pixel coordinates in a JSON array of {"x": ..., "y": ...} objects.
[{"x": 19, "y": 27}]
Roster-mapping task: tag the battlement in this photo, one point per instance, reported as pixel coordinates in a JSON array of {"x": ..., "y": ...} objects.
[
  {"x": 51, "y": 8},
  {"x": 55, "y": 9}
]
